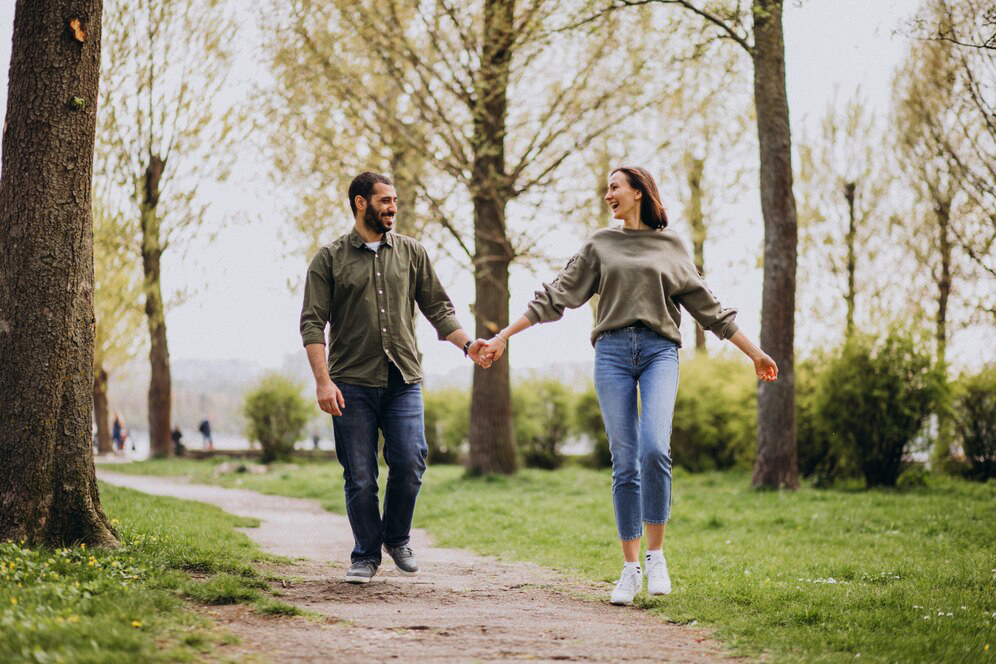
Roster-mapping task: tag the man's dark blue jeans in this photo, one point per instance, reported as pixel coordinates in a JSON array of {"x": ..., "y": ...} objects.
[{"x": 397, "y": 411}]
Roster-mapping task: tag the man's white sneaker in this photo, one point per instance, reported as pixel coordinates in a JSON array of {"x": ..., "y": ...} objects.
[
  {"x": 628, "y": 585},
  {"x": 658, "y": 581}
]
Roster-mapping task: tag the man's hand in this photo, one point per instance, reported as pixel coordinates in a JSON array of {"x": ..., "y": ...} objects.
[
  {"x": 330, "y": 398},
  {"x": 474, "y": 351}
]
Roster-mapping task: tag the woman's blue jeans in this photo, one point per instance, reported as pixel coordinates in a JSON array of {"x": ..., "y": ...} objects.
[
  {"x": 640, "y": 441},
  {"x": 397, "y": 411}
]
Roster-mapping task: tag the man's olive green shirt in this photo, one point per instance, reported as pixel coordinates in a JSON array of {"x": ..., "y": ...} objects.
[{"x": 368, "y": 300}]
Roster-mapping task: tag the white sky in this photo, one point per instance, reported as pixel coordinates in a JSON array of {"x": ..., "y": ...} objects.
[{"x": 241, "y": 307}]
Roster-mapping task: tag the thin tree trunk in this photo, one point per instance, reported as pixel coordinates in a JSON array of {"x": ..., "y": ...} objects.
[
  {"x": 160, "y": 392},
  {"x": 100, "y": 411},
  {"x": 849, "y": 297},
  {"x": 48, "y": 491},
  {"x": 492, "y": 437},
  {"x": 776, "y": 463},
  {"x": 696, "y": 219},
  {"x": 942, "y": 210}
]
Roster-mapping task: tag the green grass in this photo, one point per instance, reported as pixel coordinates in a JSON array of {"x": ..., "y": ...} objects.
[
  {"x": 817, "y": 575},
  {"x": 124, "y": 605}
]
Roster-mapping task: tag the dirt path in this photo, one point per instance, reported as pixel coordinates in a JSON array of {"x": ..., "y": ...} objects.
[{"x": 460, "y": 607}]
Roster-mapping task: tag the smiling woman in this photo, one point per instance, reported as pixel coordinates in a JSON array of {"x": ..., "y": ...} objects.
[{"x": 642, "y": 273}]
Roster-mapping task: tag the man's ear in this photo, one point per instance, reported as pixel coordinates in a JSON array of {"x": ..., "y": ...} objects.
[{"x": 360, "y": 202}]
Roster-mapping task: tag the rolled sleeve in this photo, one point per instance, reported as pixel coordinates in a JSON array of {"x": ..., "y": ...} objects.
[
  {"x": 317, "y": 305},
  {"x": 573, "y": 287},
  {"x": 699, "y": 301},
  {"x": 432, "y": 299}
]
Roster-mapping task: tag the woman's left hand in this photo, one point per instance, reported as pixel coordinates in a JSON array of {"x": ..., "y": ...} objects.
[{"x": 765, "y": 367}]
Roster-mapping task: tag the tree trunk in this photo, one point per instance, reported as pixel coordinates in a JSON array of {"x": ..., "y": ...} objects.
[
  {"x": 942, "y": 211},
  {"x": 160, "y": 394},
  {"x": 100, "y": 412},
  {"x": 696, "y": 219},
  {"x": 776, "y": 463},
  {"x": 492, "y": 437},
  {"x": 851, "y": 257},
  {"x": 48, "y": 491}
]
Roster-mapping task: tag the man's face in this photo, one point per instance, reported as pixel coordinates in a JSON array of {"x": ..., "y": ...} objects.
[{"x": 381, "y": 208}]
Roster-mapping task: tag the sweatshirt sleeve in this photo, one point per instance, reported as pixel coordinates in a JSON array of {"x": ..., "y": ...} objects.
[
  {"x": 703, "y": 306},
  {"x": 574, "y": 286}
]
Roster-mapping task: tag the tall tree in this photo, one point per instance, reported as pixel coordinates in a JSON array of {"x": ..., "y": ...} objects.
[
  {"x": 472, "y": 95},
  {"x": 117, "y": 304},
  {"x": 710, "y": 116},
  {"x": 963, "y": 130},
  {"x": 48, "y": 490},
  {"x": 843, "y": 182},
  {"x": 757, "y": 29},
  {"x": 165, "y": 130},
  {"x": 949, "y": 229}
]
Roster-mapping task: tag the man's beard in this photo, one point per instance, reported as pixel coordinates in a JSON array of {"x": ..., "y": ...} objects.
[{"x": 372, "y": 220}]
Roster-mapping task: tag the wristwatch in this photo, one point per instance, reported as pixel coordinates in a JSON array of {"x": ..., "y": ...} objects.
[{"x": 466, "y": 346}]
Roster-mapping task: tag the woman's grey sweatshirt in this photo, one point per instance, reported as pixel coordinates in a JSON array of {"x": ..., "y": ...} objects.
[{"x": 639, "y": 275}]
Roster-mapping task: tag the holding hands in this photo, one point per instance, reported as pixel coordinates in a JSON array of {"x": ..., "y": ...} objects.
[{"x": 476, "y": 352}]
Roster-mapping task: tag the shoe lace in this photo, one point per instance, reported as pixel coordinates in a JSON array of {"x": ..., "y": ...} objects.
[
  {"x": 403, "y": 550},
  {"x": 630, "y": 579},
  {"x": 655, "y": 567}
]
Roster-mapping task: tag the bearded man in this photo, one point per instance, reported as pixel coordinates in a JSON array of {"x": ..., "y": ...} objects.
[{"x": 364, "y": 286}]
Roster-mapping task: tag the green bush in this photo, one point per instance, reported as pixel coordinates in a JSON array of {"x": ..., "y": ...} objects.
[
  {"x": 542, "y": 411},
  {"x": 975, "y": 421},
  {"x": 588, "y": 421},
  {"x": 874, "y": 398},
  {"x": 447, "y": 423},
  {"x": 715, "y": 415},
  {"x": 822, "y": 456},
  {"x": 277, "y": 415}
]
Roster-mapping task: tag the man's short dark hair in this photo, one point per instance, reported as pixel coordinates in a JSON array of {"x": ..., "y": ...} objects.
[{"x": 363, "y": 184}]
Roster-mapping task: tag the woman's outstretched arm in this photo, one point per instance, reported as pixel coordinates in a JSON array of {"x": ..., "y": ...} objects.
[{"x": 764, "y": 366}]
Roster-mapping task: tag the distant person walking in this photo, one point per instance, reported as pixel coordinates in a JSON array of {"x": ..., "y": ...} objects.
[
  {"x": 118, "y": 432},
  {"x": 205, "y": 428},
  {"x": 364, "y": 286},
  {"x": 178, "y": 446},
  {"x": 642, "y": 272}
]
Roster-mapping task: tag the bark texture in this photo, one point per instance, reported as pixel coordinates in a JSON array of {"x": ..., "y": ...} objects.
[
  {"x": 48, "y": 491},
  {"x": 160, "y": 390},
  {"x": 776, "y": 463},
  {"x": 492, "y": 436},
  {"x": 100, "y": 411}
]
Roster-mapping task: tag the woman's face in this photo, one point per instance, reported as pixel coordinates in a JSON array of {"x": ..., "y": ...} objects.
[{"x": 623, "y": 200}]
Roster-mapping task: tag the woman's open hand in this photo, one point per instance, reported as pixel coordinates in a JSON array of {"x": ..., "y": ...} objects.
[
  {"x": 765, "y": 367},
  {"x": 495, "y": 348}
]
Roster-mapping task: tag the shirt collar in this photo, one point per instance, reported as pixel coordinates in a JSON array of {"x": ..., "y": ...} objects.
[{"x": 357, "y": 241}]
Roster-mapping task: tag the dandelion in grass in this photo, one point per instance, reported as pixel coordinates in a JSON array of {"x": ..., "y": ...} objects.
[{"x": 136, "y": 624}]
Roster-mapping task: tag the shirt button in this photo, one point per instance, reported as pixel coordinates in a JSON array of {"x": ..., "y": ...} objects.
[
  {"x": 380, "y": 292},
  {"x": 378, "y": 274},
  {"x": 381, "y": 311},
  {"x": 383, "y": 329}
]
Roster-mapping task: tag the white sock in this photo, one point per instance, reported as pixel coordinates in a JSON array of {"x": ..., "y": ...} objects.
[
  {"x": 653, "y": 555},
  {"x": 631, "y": 566}
]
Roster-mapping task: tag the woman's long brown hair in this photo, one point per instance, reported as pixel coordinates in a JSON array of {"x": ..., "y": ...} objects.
[{"x": 652, "y": 211}]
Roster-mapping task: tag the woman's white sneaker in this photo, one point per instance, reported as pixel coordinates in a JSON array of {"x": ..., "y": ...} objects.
[
  {"x": 628, "y": 586},
  {"x": 658, "y": 581}
]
